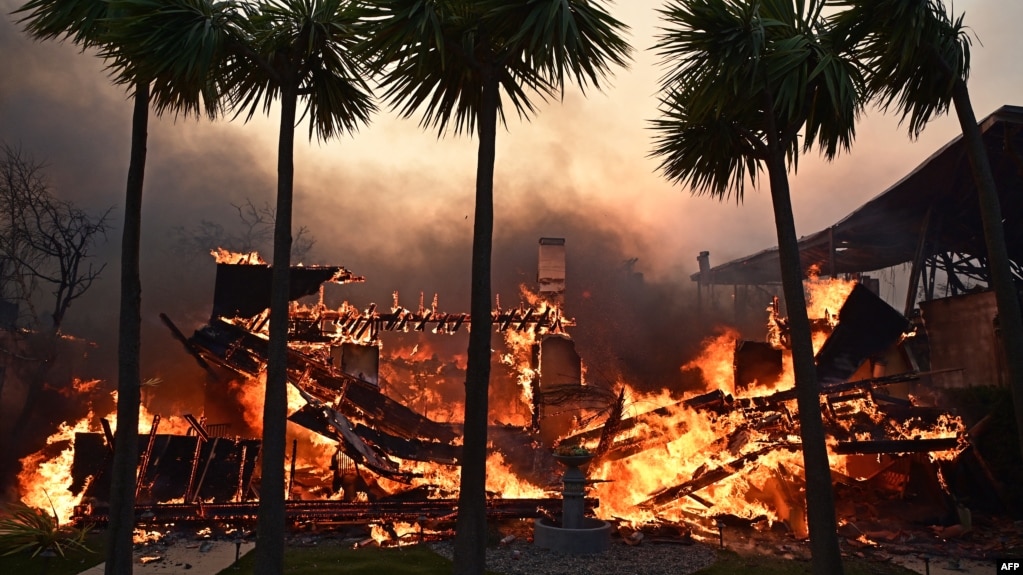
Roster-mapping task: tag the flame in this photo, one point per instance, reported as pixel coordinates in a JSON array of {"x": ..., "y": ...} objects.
[
  {"x": 715, "y": 362},
  {"x": 691, "y": 443},
  {"x": 520, "y": 358},
  {"x": 396, "y": 533},
  {"x": 313, "y": 451},
  {"x": 501, "y": 479},
  {"x": 224, "y": 256},
  {"x": 45, "y": 475},
  {"x": 825, "y": 297},
  {"x": 144, "y": 537},
  {"x": 44, "y": 478}
]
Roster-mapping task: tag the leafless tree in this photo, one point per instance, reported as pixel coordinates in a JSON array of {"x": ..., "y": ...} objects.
[
  {"x": 253, "y": 231},
  {"x": 43, "y": 239}
]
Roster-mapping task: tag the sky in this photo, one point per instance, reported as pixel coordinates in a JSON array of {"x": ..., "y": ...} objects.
[{"x": 393, "y": 202}]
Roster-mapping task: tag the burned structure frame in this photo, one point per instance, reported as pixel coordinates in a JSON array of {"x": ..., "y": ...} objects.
[{"x": 929, "y": 219}]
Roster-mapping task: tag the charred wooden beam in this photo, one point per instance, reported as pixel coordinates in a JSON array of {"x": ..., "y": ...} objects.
[
  {"x": 108, "y": 434},
  {"x": 196, "y": 426},
  {"x": 897, "y": 446},
  {"x": 525, "y": 320},
  {"x": 628, "y": 447},
  {"x": 313, "y": 418},
  {"x": 838, "y": 399},
  {"x": 611, "y": 426},
  {"x": 191, "y": 349},
  {"x": 190, "y": 488},
  {"x": 712, "y": 476},
  {"x": 206, "y": 467},
  {"x": 710, "y": 400},
  {"x": 458, "y": 322},
  {"x": 426, "y": 319},
  {"x": 790, "y": 394},
  {"x": 884, "y": 398},
  {"x": 411, "y": 449},
  {"x": 505, "y": 320},
  {"x": 146, "y": 456}
]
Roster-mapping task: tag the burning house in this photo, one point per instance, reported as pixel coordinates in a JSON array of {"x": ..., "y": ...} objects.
[
  {"x": 375, "y": 436},
  {"x": 364, "y": 449}
]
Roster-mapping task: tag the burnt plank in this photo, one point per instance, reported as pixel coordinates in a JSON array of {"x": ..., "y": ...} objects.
[{"x": 897, "y": 446}]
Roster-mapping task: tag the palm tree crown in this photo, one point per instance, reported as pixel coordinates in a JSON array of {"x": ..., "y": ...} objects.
[
  {"x": 172, "y": 46},
  {"x": 730, "y": 62},
  {"x": 433, "y": 54},
  {"x": 912, "y": 51},
  {"x": 180, "y": 45},
  {"x": 308, "y": 46}
]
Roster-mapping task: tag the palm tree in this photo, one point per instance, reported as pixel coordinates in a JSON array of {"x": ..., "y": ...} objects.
[
  {"x": 292, "y": 50},
  {"x": 744, "y": 79},
  {"x": 917, "y": 60},
  {"x": 464, "y": 63},
  {"x": 180, "y": 83}
]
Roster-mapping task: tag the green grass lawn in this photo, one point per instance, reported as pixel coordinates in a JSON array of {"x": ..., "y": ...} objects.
[{"x": 75, "y": 561}]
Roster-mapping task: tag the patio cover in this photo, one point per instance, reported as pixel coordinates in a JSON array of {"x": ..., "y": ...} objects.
[{"x": 886, "y": 230}]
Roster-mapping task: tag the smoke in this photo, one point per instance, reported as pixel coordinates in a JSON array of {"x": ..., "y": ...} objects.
[
  {"x": 392, "y": 203},
  {"x": 404, "y": 221}
]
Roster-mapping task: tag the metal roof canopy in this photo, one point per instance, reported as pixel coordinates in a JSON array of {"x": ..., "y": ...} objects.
[{"x": 886, "y": 230}]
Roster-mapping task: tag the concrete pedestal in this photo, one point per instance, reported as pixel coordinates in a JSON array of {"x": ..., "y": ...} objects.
[{"x": 593, "y": 536}]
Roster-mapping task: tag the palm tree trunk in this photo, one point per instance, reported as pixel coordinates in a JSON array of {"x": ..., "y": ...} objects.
[
  {"x": 826, "y": 556},
  {"x": 1009, "y": 316},
  {"x": 125, "y": 464},
  {"x": 471, "y": 527},
  {"x": 271, "y": 523}
]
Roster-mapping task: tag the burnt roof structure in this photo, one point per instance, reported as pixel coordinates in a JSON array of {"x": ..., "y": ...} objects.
[{"x": 933, "y": 209}]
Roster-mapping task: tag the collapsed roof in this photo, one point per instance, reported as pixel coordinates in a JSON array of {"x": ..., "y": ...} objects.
[{"x": 886, "y": 230}]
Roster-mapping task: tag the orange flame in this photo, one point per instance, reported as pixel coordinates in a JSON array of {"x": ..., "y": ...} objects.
[{"x": 223, "y": 256}]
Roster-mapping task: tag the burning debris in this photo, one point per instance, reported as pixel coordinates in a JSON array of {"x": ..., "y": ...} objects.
[{"x": 381, "y": 443}]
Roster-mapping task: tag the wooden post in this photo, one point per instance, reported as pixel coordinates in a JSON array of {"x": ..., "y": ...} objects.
[{"x": 914, "y": 274}]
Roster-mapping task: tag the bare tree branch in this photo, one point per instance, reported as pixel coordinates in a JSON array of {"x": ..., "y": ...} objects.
[
  {"x": 253, "y": 232},
  {"x": 42, "y": 238}
]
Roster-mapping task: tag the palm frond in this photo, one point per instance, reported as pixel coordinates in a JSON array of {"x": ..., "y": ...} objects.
[
  {"x": 731, "y": 63},
  {"x": 714, "y": 154},
  {"x": 433, "y": 55},
  {"x": 559, "y": 37},
  {"x": 913, "y": 52},
  {"x": 25, "y": 529},
  {"x": 179, "y": 46},
  {"x": 81, "y": 21},
  {"x": 310, "y": 46}
]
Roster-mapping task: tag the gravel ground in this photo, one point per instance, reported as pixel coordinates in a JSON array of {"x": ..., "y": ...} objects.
[{"x": 523, "y": 558}]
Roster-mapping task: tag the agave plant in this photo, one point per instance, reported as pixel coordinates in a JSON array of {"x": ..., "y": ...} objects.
[{"x": 25, "y": 529}]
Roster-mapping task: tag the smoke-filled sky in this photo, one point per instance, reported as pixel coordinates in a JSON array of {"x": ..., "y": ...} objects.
[{"x": 394, "y": 203}]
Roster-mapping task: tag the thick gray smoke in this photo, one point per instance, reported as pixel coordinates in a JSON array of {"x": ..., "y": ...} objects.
[{"x": 401, "y": 227}]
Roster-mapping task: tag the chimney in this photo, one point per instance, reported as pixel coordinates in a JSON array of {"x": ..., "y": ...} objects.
[{"x": 551, "y": 268}]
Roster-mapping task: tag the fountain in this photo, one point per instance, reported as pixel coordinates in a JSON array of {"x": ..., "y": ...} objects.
[{"x": 577, "y": 534}]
